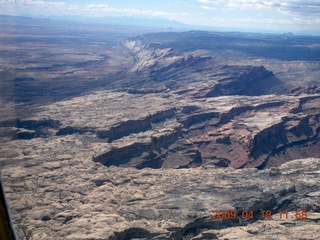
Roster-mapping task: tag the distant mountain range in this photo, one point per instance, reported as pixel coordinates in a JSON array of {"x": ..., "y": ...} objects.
[
  {"x": 133, "y": 21},
  {"x": 154, "y": 22}
]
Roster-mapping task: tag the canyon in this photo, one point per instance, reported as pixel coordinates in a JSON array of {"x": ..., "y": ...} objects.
[{"x": 142, "y": 137}]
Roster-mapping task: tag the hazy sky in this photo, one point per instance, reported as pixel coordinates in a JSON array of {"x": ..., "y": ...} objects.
[{"x": 264, "y": 15}]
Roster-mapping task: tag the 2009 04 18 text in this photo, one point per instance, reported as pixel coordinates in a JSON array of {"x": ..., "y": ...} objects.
[{"x": 262, "y": 215}]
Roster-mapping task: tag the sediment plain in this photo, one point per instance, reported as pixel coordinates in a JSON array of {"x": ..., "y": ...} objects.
[{"x": 117, "y": 135}]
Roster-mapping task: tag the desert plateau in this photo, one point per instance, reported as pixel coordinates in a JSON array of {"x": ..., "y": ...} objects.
[{"x": 115, "y": 132}]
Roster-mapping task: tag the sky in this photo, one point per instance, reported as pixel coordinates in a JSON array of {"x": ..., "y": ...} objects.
[{"x": 259, "y": 15}]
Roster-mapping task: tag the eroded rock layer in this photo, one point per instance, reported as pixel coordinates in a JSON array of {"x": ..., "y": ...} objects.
[
  {"x": 126, "y": 203},
  {"x": 183, "y": 111},
  {"x": 167, "y": 130},
  {"x": 171, "y": 137},
  {"x": 157, "y": 67}
]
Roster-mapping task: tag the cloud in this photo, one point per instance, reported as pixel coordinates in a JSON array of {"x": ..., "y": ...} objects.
[
  {"x": 266, "y": 23},
  {"x": 207, "y": 7},
  {"x": 302, "y": 8},
  {"x": 274, "y": 13},
  {"x": 240, "y": 4},
  {"x": 92, "y": 10}
]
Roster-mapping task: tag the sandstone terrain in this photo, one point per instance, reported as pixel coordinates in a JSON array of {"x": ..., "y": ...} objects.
[{"x": 115, "y": 136}]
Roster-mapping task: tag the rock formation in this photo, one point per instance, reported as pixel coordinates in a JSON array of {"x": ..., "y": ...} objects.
[
  {"x": 237, "y": 131},
  {"x": 69, "y": 197},
  {"x": 188, "y": 123},
  {"x": 168, "y": 68},
  {"x": 155, "y": 143}
]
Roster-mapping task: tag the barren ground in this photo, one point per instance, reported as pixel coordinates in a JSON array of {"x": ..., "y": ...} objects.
[{"x": 109, "y": 135}]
